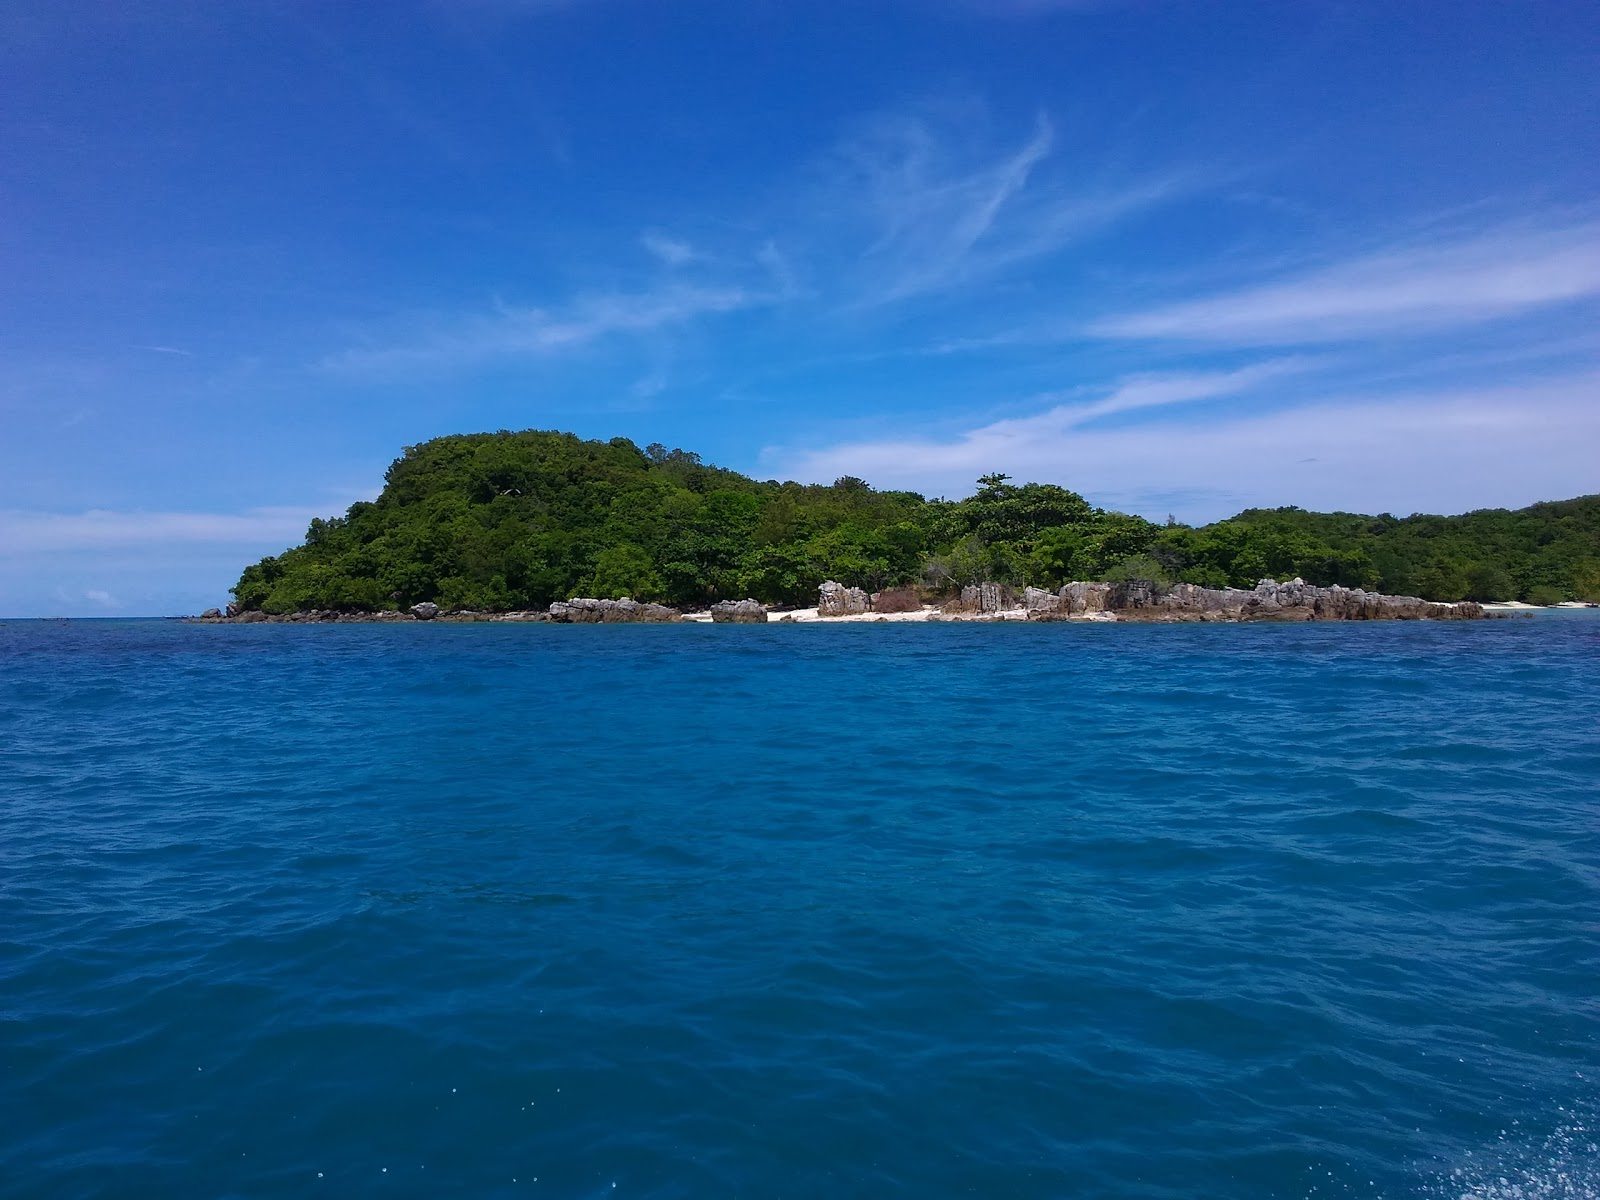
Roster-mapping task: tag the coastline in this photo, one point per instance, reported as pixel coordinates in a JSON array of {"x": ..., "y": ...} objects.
[
  {"x": 1138, "y": 601},
  {"x": 927, "y": 613},
  {"x": 1522, "y": 606}
]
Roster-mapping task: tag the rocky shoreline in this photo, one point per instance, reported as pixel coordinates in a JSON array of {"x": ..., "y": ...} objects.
[{"x": 1269, "y": 600}]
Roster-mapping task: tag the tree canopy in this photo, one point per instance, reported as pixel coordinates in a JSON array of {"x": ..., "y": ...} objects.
[{"x": 515, "y": 520}]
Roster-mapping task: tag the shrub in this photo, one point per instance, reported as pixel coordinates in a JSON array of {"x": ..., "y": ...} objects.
[
  {"x": 903, "y": 599},
  {"x": 1489, "y": 582},
  {"x": 1138, "y": 568}
]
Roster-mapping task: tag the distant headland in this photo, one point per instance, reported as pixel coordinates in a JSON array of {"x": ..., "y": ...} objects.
[{"x": 538, "y": 525}]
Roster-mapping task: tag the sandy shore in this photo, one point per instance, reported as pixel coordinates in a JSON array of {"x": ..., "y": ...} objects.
[
  {"x": 1522, "y": 606},
  {"x": 928, "y": 612}
]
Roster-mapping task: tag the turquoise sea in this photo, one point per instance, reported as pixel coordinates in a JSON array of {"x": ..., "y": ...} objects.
[{"x": 800, "y": 911}]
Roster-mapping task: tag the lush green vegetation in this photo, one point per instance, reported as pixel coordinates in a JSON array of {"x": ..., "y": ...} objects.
[{"x": 516, "y": 520}]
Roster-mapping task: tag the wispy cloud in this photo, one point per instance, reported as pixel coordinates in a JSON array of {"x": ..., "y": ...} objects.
[
  {"x": 23, "y": 531},
  {"x": 675, "y": 252},
  {"x": 908, "y": 206},
  {"x": 1032, "y": 442},
  {"x": 933, "y": 218},
  {"x": 165, "y": 350},
  {"x": 1155, "y": 391},
  {"x": 1443, "y": 450},
  {"x": 513, "y": 333},
  {"x": 101, "y": 597},
  {"x": 944, "y": 205},
  {"x": 778, "y": 268},
  {"x": 1406, "y": 290}
]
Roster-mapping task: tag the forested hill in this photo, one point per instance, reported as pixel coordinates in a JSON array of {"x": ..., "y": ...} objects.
[{"x": 505, "y": 520}]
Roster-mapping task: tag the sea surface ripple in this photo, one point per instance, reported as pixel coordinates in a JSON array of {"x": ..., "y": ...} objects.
[{"x": 799, "y": 911}]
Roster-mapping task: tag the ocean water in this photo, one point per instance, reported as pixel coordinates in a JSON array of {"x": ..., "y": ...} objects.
[{"x": 799, "y": 911}]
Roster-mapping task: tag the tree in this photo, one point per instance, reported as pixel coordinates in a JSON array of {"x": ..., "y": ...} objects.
[
  {"x": 624, "y": 570},
  {"x": 516, "y": 519}
]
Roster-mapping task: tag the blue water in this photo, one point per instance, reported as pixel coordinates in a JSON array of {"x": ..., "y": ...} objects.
[{"x": 799, "y": 911}]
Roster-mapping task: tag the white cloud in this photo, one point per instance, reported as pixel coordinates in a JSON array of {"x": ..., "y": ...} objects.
[
  {"x": 514, "y": 333},
  {"x": 23, "y": 531},
  {"x": 1408, "y": 290},
  {"x": 933, "y": 220},
  {"x": 1438, "y": 451},
  {"x": 943, "y": 206},
  {"x": 91, "y": 563},
  {"x": 777, "y": 266},
  {"x": 1031, "y": 443},
  {"x": 672, "y": 251},
  {"x": 1151, "y": 391}
]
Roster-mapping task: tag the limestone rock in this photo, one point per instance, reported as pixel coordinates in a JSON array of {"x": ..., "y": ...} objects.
[
  {"x": 211, "y": 614},
  {"x": 1041, "y": 605},
  {"x": 1072, "y": 602},
  {"x": 1081, "y": 598},
  {"x": 426, "y": 611},
  {"x": 836, "y": 600},
  {"x": 1269, "y": 600},
  {"x": 586, "y": 611},
  {"x": 1134, "y": 594},
  {"x": 994, "y": 597},
  {"x": 739, "y": 612},
  {"x": 982, "y": 598}
]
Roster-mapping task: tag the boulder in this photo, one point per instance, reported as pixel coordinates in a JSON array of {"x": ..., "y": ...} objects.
[
  {"x": 897, "y": 600},
  {"x": 585, "y": 611},
  {"x": 1134, "y": 594},
  {"x": 1041, "y": 605},
  {"x": 1269, "y": 600},
  {"x": 836, "y": 600},
  {"x": 1077, "y": 599},
  {"x": 577, "y": 611},
  {"x": 739, "y": 612},
  {"x": 233, "y": 609},
  {"x": 982, "y": 598},
  {"x": 995, "y": 597},
  {"x": 211, "y": 614},
  {"x": 252, "y": 616},
  {"x": 426, "y": 611}
]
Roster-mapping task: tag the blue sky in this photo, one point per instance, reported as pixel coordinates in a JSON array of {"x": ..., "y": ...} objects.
[{"x": 1181, "y": 257}]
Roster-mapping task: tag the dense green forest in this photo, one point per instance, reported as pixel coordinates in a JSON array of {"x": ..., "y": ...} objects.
[{"x": 515, "y": 520}]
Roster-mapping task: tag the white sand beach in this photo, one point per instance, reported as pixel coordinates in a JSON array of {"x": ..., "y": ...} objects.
[
  {"x": 1524, "y": 606},
  {"x": 928, "y": 612}
]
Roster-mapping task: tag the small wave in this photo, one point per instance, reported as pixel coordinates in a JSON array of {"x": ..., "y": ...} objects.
[{"x": 1565, "y": 1166}]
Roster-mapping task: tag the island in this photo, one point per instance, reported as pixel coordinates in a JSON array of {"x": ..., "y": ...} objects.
[{"x": 547, "y": 526}]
